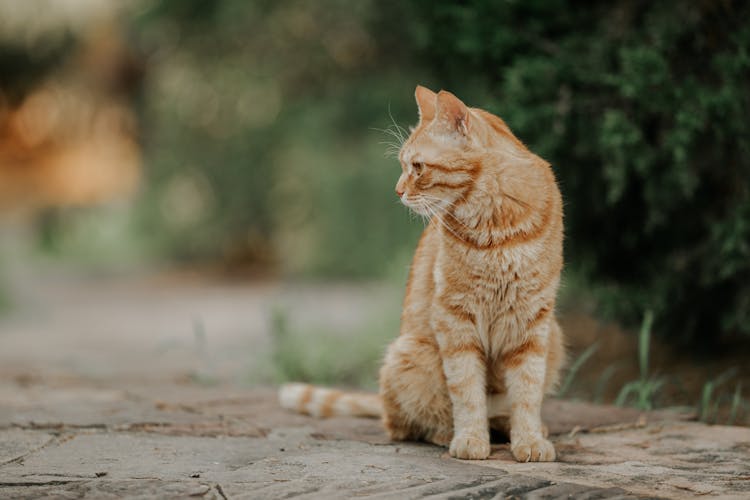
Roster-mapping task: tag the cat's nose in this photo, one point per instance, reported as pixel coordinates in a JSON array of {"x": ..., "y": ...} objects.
[{"x": 399, "y": 192}]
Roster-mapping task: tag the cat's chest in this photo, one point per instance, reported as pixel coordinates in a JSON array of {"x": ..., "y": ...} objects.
[
  {"x": 489, "y": 278},
  {"x": 496, "y": 288},
  {"x": 485, "y": 269}
]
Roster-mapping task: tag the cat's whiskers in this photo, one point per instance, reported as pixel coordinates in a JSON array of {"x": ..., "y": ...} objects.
[
  {"x": 397, "y": 132},
  {"x": 402, "y": 133},
  {"x": 432, "y": 200},
  {"x": 392, "y": 149},
  {"x": 414, "y": 205},
  {"x": 433, "y": 210},
  {"x": 444, "y": 205},
  {"x": 503, "y": 194},
  {"x": 447, "y": 213}
]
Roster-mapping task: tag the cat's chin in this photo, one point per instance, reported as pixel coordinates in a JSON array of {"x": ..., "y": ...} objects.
[
  {"x": 424, "y": 210},
  {"x": 419, "y": 210},
  {"x": 415, "y": 207}
]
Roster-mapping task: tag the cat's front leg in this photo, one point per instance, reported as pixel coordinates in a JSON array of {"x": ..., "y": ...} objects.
[
  {"x": 525, "y": 367},
  {"x": 464, "y": 365}
]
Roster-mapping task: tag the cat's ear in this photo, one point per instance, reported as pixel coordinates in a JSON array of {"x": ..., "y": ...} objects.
[
  {"x": 452, "y": 113},
  {"x": 426, "y": 102}
]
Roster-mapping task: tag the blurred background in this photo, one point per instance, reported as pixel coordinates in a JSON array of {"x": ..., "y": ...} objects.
[{"x": 201, "y": 190}]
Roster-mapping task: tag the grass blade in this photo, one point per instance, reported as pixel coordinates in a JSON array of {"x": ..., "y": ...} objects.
[
  {"x": 644, "y": 342},
  {"x": 573, "y": 370},
  {"x": 601, "y": 384},
  {"x": 626, "y": 390},
  {"x": 707, "y": 393},
  {"x": 736, "y": 401}
]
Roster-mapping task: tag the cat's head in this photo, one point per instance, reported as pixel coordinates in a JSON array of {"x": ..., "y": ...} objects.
[{"x": 439, "y": 160}]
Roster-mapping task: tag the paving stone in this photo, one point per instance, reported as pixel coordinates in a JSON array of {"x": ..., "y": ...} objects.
[
  {"x": 75, "y": 440},
  {"x": 15, "y": 444},
  {"x": 91, "y": 407},
  {"x": 41, "y": 406},
  {"x": 105, "y": 490},
  {"x": 287, "y": 462},
  {"x": 672, "y": 459}
]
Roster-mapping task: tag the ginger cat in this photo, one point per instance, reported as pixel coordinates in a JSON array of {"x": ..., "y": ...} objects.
[{"x": 479, "y": 341}]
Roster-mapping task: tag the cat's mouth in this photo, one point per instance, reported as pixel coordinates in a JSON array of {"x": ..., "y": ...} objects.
[
  {"x": 421, "y": 205},
  {"x": 415, "y": 204}
]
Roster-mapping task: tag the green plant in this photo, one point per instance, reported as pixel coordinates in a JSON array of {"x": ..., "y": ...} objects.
[
  {"x": 574, "y": 367},
  {"x": 641, "y": 107},
  {"x": 314, "y": 355},
  {"x": 708, "y": 407},
  {"x": 601, "y": 384},
  {"x": 647, "y": 386},
  {"x": 737, "y": 404},
  {"x": 265, "y": 156},
  {"x": 205, "y": 372}
]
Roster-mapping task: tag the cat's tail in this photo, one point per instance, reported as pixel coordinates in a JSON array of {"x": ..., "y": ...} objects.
[{"x": 325, "y": 402}]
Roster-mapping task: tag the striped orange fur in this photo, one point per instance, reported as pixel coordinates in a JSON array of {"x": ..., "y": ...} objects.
[
  {"x": 479, "y": 338},
  {"x": 325, "y": 402}
]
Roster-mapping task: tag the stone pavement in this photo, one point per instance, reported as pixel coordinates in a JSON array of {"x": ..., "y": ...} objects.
[
  {"x": 95, "y": 402},
  {"x": 77, "y": 439}
]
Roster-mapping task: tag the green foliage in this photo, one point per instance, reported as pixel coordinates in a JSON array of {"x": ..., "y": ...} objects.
[
  {"x": 708, "y": 407},
  {"x": 601, "y": 384},
  {"x": 258, "y": 117},
  {"x": 642, "y": 109},
  {"x": 574, "y": 367},
  {"x": 646, "y": 387},
  {"x": 737, "y": 406},
  {"x": 260, "y": 140},
  {"x": 312, "y": 355}
]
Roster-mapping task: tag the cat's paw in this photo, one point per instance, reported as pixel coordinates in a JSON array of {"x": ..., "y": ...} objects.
[
  {"x": 532, "y": 449},
  {"x": 470, "y": 447},
  {"x": 441, "y": 438}
]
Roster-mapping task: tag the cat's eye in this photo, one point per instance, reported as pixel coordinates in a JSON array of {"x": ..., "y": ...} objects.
[{"x": 418, "y": 167}]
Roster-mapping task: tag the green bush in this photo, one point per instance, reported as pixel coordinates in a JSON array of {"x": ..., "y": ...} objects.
[
  {"x": 260, "y": 135},
  {"x": 642, "y": 108}
]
